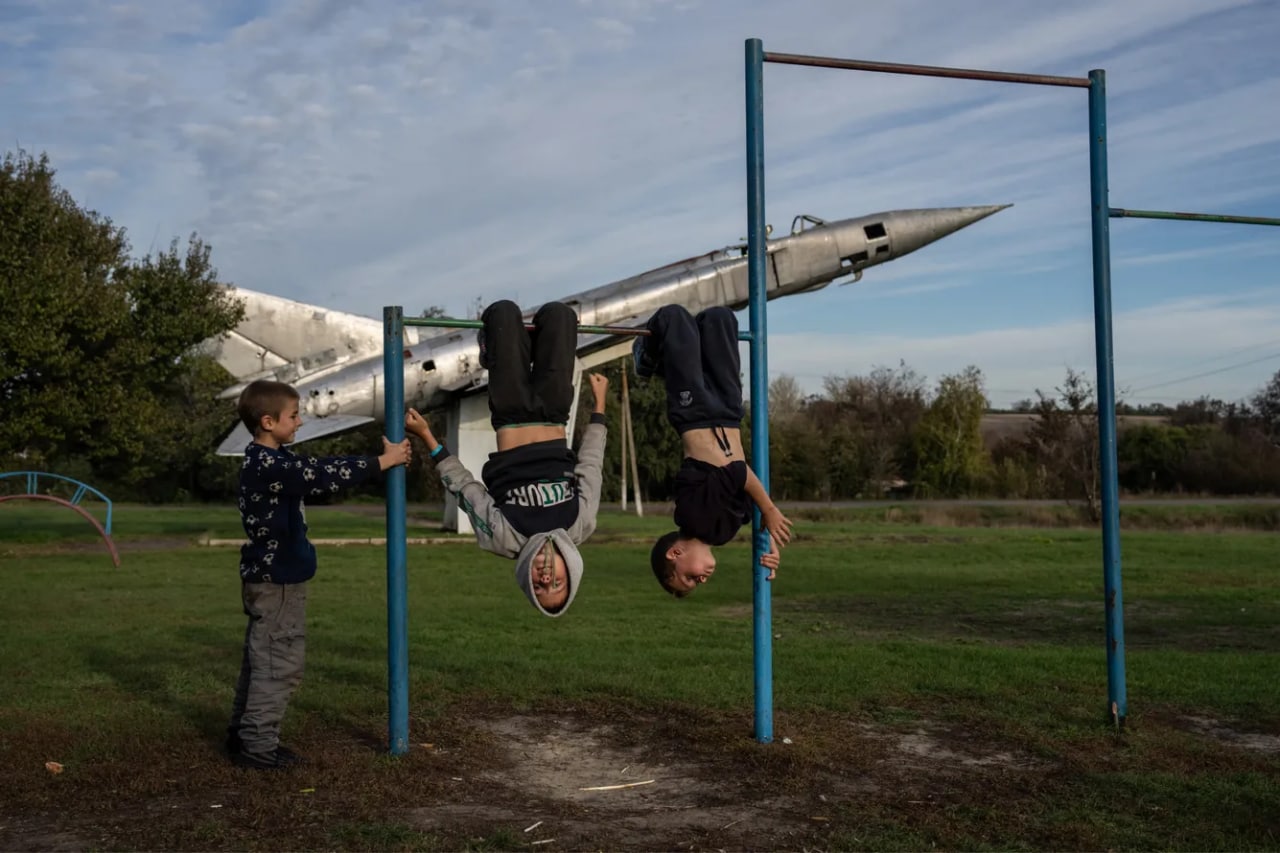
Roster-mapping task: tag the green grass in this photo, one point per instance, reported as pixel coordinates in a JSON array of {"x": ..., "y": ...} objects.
[
  {"x": 989, "y": 638},
  {"x": 45, "y": 524}
]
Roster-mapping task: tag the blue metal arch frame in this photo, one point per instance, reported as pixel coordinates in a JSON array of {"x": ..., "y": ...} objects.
[{"x": 81, "y": 489}]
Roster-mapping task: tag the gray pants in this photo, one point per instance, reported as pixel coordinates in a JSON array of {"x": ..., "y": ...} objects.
[{"x": 275, "y": 645}]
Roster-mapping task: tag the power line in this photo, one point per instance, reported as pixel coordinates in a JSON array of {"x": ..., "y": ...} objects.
[
  {"x": 1207, "y": 373},
  {"x": 1228, "y": 354}
]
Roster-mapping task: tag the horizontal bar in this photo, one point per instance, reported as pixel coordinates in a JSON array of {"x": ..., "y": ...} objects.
[
  {"x": 1121, "y": 212},
  {"x": 452, "y": 323},
  {"x": 926, "y": 70}
]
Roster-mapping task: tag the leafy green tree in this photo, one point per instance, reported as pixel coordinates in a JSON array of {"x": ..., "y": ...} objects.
[
  {"x": 797, "y": 469},
  {"x": 951, "y": 459},
  {"x": 869, "y": 424},
  {"x": 1150, "y": 456},
  {"x": 1266, "y": 404},
  {"x": 1063, "y": 443},
  {"x": 97, "y": 357}
]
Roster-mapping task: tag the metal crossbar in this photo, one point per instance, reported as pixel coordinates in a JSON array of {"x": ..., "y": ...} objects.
[
  {"x": 453, "y": 323},
  {"x": 1123, "y": 212},
  {"x": 925, "y": 70}
]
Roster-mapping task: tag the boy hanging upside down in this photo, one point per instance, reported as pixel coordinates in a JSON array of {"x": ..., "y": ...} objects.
[
  {"x": 538, "y": 499},
  {"x": 697, "y": 357}
]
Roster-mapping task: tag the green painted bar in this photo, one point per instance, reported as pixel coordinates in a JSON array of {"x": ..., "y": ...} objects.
[
  {"x": 1121, "y": 212},
  {"x": 453, "y": 323}
]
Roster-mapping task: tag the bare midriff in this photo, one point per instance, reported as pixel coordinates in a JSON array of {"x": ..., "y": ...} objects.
[
  {"x": 705, "y": 445},
  {"x": 518, "y": 436}
]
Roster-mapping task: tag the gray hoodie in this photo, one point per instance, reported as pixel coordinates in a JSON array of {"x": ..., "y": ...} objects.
[{"x": 496, "y": 535}]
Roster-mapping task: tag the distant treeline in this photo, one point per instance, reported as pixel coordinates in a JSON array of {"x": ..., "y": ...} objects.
[{"x": 886, "y": 434}]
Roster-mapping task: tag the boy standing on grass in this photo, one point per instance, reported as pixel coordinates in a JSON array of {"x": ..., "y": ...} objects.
[
  {"x": 538, "y": 499},
  {"x": 278, "y": 561},
  {"x": 698, "y": 359}
]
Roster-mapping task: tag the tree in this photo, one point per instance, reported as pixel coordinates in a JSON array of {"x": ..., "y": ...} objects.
[
  {"x": 97, "y": 358},
  {"x": 1150, "y": 457},
  {"x": 879, "y": 413},
  {"x": 950, "y": 457},
  {"x": 785, "y": 398},
  {"x": 1266, "y": 404},
  {"x": 1063, "y": 443}
]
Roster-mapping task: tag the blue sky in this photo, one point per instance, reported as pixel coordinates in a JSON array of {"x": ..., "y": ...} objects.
[{"x": 357, "y": 154}]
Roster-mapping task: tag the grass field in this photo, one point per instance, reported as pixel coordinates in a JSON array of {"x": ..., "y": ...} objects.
[{"x": 936, "y": 685}]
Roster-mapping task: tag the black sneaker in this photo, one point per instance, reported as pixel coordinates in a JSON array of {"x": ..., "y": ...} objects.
[
  {"x": 258, "y": 760},
  {"x": 645, "y": 365},
  {"x": 286, "y": 757},
  {"x": 279, "y": 759}
]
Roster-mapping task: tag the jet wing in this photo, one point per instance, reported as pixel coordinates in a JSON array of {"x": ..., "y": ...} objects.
[{"x": 235, "y": 442}]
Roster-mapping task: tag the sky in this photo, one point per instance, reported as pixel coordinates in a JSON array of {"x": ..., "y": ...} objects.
[{"x": 358, "y": 154}]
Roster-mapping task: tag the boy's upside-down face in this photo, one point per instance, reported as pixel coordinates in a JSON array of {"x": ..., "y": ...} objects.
[
  {"x": 695, "y": 563},
  {"x": 550, "y": 578}
]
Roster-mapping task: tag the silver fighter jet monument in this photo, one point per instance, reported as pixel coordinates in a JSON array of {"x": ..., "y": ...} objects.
[{"x": 335, "y": 359}]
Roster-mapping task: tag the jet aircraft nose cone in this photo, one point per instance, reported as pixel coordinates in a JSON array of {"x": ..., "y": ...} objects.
[{"x": 912, "y": 229}]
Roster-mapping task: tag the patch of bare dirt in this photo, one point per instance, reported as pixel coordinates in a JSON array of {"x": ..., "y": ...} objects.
[
  {"x": 647, "y": 782},
  {"x": 934, "y": 748},
  {"x": 576, "y": 782},
  {"x": 1221, "y": 731},
  {"x": 36, "y": 837}
]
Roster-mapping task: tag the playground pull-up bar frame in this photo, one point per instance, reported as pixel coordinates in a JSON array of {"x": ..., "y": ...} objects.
[
  {"x": 1102, "y": 213},
  {"x": 1096, "y": 84}
]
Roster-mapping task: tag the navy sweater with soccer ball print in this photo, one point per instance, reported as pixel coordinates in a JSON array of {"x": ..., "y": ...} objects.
[{"x": 273, "y": 484}]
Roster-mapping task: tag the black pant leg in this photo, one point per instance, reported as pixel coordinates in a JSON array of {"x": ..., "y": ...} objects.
[
  {"x": 510, "y": 351},
  {"x": 722, "y": 360},
  {"x": 679, "y": 347},
  {"x": 555, "y": 348}
]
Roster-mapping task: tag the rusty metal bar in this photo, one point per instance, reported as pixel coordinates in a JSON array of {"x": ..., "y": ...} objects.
[{"x": 926, "y": 70}]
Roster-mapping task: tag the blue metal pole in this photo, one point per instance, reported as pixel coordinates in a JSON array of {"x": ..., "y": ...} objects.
[
  {"x": 397, "y": 584},
  {"x": 758, "y": 296},
  {"x": 1117, "y": 702}
]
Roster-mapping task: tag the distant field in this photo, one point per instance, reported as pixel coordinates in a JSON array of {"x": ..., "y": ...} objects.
[{"x": 937, "y": 684}]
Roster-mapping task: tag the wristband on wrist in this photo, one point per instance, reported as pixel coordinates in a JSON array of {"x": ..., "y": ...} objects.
[{"x": 436, "y": 452}]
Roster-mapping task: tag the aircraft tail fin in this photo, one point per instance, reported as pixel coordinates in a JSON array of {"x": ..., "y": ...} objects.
[{"x": 284, "y": 339}]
